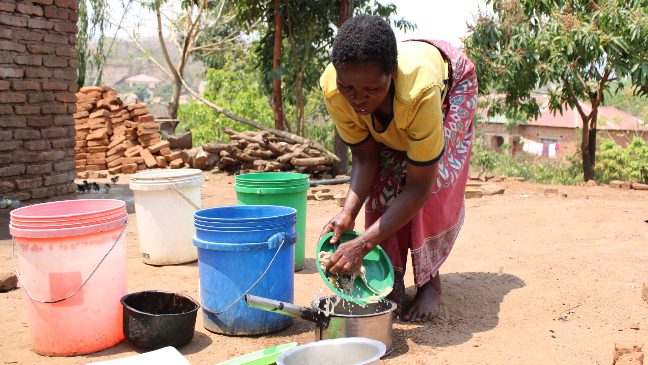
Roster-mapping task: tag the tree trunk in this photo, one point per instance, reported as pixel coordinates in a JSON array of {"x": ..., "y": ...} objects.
[
  {"x": 299, "y": 103},
  {"x": 339, "y": 148},
  {"x": 172, "y": 108},
  {"x": 82, "y": 42},
  {"x": 277, "y": 99},
  {"x": 346, "y": 11},
  {"x": 588, "y": 164},
  {"x": 592, "y": 135}
]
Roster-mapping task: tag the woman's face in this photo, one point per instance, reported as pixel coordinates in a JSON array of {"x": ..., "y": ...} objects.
[{"x": 363, "y": 85}]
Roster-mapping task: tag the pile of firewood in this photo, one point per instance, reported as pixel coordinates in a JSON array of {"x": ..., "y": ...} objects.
[
  {"x": 263, "y": 151},
  {"x": 117, "y": 137}
]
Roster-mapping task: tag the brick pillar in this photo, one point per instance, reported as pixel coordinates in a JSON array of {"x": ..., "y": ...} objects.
[{"x": 38, "y": 70}]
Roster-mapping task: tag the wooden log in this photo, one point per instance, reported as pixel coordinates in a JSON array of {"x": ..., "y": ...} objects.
[
  {"x": 273, "y": 166},
  {"x": 241, "y": 144},
  {"x": 241, "y": 156},
  {"x": 212, "y": 159},
  {"x": 288, "y": 157},
  {"x": 262, "y": 154},
  {"x": 235, "y": 134},
  {"x": 260, "y": 164},
  {"x": 214, "y": 147},
  {"x": 276, "y": 148},
  {"x": 313, "y": 161},
  {"x": 248, "y": 165},
  {"x": 225, "y": 160},
  {"x": 319, "y": 168},
  {"x": 257, "y": 134},
  {"x": 196, "y": 157},
  {"x": 313, "y": 152}
]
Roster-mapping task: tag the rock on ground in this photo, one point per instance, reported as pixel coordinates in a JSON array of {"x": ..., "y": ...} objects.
[
  {"x": 8, "y": 281},
  {"x": 628, "y": 355}
]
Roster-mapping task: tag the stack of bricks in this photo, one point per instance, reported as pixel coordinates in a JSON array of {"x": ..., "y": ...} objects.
[
  {"x": 116, "y": 137},
  {"x": 38, "y": 71}
]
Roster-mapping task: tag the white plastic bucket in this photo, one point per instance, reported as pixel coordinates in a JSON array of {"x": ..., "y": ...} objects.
[{"x": 165, "y": 201}]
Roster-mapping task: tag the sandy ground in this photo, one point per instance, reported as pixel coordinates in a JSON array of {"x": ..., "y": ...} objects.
[{"x": 533, "y": 279}]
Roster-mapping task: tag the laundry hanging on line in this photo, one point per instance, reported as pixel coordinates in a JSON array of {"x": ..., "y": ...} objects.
[{"x": 540, "y": 149}]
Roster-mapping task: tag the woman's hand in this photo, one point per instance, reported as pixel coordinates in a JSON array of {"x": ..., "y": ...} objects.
[
  {"x": 343, "y": 221},
  {"x": 347, "y": 259}
]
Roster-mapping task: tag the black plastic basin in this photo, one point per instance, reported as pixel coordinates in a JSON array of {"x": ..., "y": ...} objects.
[{"x": 154, "y": 319}]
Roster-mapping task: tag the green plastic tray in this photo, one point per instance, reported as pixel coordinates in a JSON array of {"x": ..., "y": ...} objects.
[
  {"x": 261, "y": 357},
  {"x": 380, "y": 272}
]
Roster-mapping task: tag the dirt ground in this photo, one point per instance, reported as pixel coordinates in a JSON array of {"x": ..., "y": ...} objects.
[{"x": 534, "y": 278}]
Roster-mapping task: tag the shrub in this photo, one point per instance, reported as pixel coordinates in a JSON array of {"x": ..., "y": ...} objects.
[
  {"x": 530, "y": 168},
  {"x": 614, "y": 162}
]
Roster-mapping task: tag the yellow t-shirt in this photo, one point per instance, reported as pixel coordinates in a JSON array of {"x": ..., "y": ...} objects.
[{"x": 417, "y": 127}]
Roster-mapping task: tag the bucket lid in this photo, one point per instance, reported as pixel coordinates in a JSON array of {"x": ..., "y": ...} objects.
[
  {"x": 68, "y": 224},
  {"x": 379, "y": 272},
  {"x": 247, "y": 214},
  {"x": 68, "y": 210},
  {"x": 163, "y": 179},
  {"x": 271, "y": 183},
  {"x": 68, "y": 232}
]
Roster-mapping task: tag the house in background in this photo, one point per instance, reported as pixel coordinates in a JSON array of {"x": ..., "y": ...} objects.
[
  {"x": 559, "y": 136},
  {"x": 149, "y": 81}
]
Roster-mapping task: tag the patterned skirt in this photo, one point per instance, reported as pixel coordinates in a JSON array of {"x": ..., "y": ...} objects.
[{"x": 431, "y": 233}]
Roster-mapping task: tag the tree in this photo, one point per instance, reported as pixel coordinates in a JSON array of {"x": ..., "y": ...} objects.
[
  {"x": 307, "y": 36},
  {"x": 341, "y": 149},
  {"x": 575, "y": 48},
  {"x": 277, "y": 98},
  {"x": 196, "y": 17},
  {"x": 92, "y": 21}
]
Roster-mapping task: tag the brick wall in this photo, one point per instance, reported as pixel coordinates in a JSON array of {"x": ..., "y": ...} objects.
[{"x": 38, "y": 69}]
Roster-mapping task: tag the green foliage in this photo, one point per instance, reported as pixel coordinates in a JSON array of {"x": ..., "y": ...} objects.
[
  {"x": 623, "y": 98},
  {"x": 93, "y": 19},
  {"x": 617, "y": 163},
  {"x": 532, "y": 169},
  {"x": 528, "y": 44},
  {"x": 577, "y": 48},
  {"x": 234, "y": 87}
]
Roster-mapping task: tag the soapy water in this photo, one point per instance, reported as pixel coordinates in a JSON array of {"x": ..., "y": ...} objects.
[
  {"x": 346, "y": 282},
  {"x": 333, "y": 305}
]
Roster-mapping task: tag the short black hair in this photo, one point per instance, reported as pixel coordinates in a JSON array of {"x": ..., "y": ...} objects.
[{"x": 365, "y": 38}]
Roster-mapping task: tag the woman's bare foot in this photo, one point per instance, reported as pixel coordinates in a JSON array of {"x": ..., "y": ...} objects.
[{"x": 425, "y": 305}]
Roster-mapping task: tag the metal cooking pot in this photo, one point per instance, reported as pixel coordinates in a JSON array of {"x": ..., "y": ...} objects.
[{"x": 347, "y": 319}]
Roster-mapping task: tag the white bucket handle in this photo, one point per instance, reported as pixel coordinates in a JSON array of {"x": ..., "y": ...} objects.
[
  {"x": 184, "y": 197},
  {"x": 13, "y": 259},
  {"x": 284, "y": 238}
]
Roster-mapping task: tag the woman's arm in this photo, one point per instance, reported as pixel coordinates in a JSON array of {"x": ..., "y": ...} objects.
[{"x": 420, "y": 179}]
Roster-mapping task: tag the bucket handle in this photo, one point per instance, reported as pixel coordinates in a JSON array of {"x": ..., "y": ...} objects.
[
  {"x": 184, "y": 197},
  {"x": 271, "y": 243},
  {"x": 13, "y": 259}
]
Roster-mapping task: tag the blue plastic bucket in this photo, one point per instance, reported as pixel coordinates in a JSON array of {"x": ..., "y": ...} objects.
[{"x": 244, "y": 250}]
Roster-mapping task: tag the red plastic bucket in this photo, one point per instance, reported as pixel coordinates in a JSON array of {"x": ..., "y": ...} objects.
[{"x": 71, "y": 262}]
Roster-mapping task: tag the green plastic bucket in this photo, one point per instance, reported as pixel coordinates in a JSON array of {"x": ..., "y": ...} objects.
[{"x": 286, "y": 189}]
